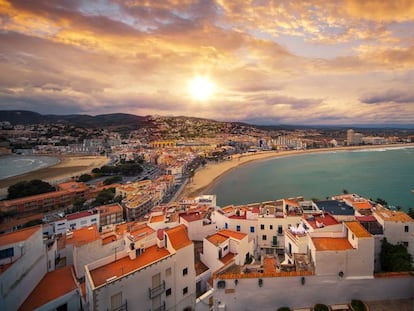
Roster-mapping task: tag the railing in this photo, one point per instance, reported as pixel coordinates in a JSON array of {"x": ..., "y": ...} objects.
[
  {"x": 160, "y": 308},
  {"x": 156, "y": 291},
  {"x": 123, "y": 307}
]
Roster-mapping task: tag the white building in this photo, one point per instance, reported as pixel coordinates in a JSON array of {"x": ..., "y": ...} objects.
[
  {"x": 23, "y": 263},
  {"x": 157, "y": 275},
  {"x": 225, "y": 247}
]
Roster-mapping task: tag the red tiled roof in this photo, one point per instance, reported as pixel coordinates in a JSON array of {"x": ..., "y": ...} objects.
[
  {"x": 83, "y": 236},
  {"x": 126, "y": 265},
  {"x": 53, "y": 285},
  {"x": 79, "y": 215},
  {"x": 366, "y": 218},
  {"x": 357, "y": 229},
  {"x": 362, "y": 205},
  {"x": 331, "y": 244},
  {"x": 178, "y": 237},
  {"x": 18, "y": 236},
  {"x": 233, "y": 234},
  {"x": 217, "y": 238},
  {"x": 326, "y": 220}
]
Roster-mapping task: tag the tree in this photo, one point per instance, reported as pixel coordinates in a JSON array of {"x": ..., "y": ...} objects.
[
  {"x": 27, "y": 188},
  {"x": 84, "y": 178},
  {"x": 381, "y": 201},
  {"x": 112, "y": 180},
  {"x": 411, "y": 212},
  {"x": 395, "y": 258},
  {"x": 104, "y": 197},
  {"x": 344, "y": 191},
  {"x": 78, "y": 204}
]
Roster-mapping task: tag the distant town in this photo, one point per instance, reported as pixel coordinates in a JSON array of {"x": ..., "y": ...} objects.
[{"x": 128, "y": 235}]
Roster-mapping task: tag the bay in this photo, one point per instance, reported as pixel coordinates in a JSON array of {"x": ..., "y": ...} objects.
[
  {"x": 386, "y": 173},
  {"x": 13, "y": 165}
]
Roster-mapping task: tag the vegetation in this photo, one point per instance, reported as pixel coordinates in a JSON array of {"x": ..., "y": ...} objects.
[
  {"x": 106, "y": 196},
  {"x": 358, "y": 305},
  {"x": 283, "y": 309},
  {"x": 85, "y": 178},
  {"x": 32, "y": 223},
  {"x": 27, "y": 188},
  {"x": 320, "y": 307},
  {"x": 112, "y": 180},
  {"x": 395, "y": 258},
  {"x": 411, "y": 212},
  {"x": 381, "y": 201},
  {"x": 125, "y": 168}
]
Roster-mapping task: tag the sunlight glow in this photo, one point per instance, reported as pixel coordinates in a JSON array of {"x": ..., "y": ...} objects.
[{"x": 201, "y": 88}]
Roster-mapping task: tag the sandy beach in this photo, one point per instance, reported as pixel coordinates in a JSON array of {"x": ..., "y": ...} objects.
[
  {"x": 68, "y": 167},
  {"x": 205, "y": 177}
]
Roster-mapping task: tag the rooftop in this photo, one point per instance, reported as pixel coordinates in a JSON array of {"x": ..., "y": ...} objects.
[
  {"x": 126, "y": 265},
  {"x": 109, "y": 209},
  {"x": 178, "y": 237},
  {"x": 362, "y": 205},
  {"x": 233, "y": 234},
  {"x": 80, "y": 215},
  {"x": 389, "y": 215},
  {"x": 18, "y": 236},
  {"x": 335, "y": 207},
  {"x": 83, "y": 236},
  {"x": 217, "y": 238},
  {"x": 53, "y": 285},
  {"x": 331, "y": 244},
  {"x": 317, "y": 221},
  {"x": 357, "y": 229}
]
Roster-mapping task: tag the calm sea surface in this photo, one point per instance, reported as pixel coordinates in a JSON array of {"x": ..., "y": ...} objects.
[
  {"x": 14, "y": 165},
  {"x": 381, "y": 173}
]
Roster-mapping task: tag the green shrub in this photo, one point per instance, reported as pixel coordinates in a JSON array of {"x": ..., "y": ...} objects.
[
  {"x": 283, "y": 309},
  {"x": 320, "y": 307},
  {"x": 358, "y": 305}
]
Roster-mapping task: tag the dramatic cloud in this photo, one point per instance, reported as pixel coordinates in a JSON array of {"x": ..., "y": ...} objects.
[{"x": 339, "y": 62}]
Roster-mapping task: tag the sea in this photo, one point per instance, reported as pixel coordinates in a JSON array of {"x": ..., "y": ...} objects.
[
  {"x": 386, "y": 173},
  {"x": 13, "y": 165}
]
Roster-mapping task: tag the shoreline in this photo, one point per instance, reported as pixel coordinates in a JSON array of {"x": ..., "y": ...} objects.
[
  {"x": 205, "y": 177},
  {"x": 65, "y": 169}
]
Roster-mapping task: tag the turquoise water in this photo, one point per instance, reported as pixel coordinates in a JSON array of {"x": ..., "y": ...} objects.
[
  {"x": 381, "y": 173},
  {"x": 14, "y": 165}
]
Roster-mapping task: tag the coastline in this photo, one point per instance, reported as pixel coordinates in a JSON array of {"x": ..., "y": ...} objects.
[
  {"x": 205, "y": 177},
  {"x": 65, "y": 169}
]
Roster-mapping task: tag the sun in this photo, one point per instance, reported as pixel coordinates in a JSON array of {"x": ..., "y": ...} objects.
[{"x": 201, "y": 88}]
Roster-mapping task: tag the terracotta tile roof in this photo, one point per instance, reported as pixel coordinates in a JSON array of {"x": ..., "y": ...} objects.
[
  {"x": 369, "y": 218},
  {"x": 292, "y": 203},
  {"x": 217, "y": 238},
  {"x": 83, "y": 236},
  {"x": 53, "y": 285},
  {"x": 178, "y": 237},
  {"x": 139, "y": 232},
  {"x": 232, "y": 234},
  {"x": 71, "y": 185},
  {"x": 396, "y": 216},
  {"x": 227, "y": 258},
  {"x": 357, "y": 229},
  {"x": 159, "y": 218},
  {"x": 109, "y": 209},
  {"x": 189, "y": 217},
  {"x": 125, "y": 265},
  {"x": 318, "y": 221},
  {"x": 362, "y": 205},
  {"x": 18, "y": 236},
  {"x": 79, "y": 215},
  {"x": 331, "y": 244}
]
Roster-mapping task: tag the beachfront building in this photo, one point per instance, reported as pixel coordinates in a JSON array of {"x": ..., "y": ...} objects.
[
  {"x": 398, "y": 227},
  {"x": 165, "y": 264},
  {"x": 198, "y": 223},
  {"x": 226, "y": 247},
  {"x": 24, "y": 261},
  {"x": 348, "y": 253},
  {"x": 338, "y": 209},
  {"x": 137, "y": 205},
  {"x": 82, "y": 219}
]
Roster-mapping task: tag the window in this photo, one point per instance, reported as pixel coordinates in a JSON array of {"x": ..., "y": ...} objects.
[
  {"x": 271, "y": 227},
  {"x": 225, "y": 248},
  {"x": 226, "y": 225},
  {"x": 264, "y": 237},
  {"x": 168, "y": 272},
  {"x": 405, "y": 228},
  {"x": 7, "y": 253},
  {"x": 279, "y": 229},
  {"x": 405, "y": 244},
  {"x": 353, "y": 237},
  {"x": 185, "y": 290},
  {"x": 185, "y": 271},
  {"x": 168, "y": 292},
  {"x": 238, "y": 228},
  {"x": 262, "y": 227},
  {"x": 252, "y": 229}
]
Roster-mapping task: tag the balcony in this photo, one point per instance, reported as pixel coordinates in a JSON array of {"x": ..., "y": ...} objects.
[
  {"x": 123, "y": 307},
  {"x": 156, "y": 291},
  {"x": 160, "y": 308}
]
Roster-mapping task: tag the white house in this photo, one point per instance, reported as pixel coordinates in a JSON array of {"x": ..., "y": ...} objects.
[{"x": 160, "y": 275}]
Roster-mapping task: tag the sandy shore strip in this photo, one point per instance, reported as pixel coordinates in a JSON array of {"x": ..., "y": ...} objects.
[
  {"x": 205, "y": 177},
  {"x": 68, "y": 167}
]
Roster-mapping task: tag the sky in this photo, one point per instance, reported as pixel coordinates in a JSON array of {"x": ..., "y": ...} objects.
[{"x": 310, "y": 62}]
